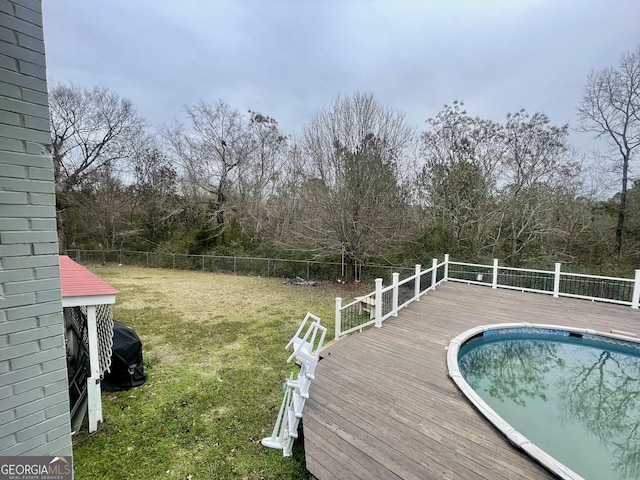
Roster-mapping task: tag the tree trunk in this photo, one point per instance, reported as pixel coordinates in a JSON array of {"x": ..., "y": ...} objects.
[
  {"x": 514, "y": 244},
  {"x": 623, "y": 203},
  {"x": 62, "y": 241},
  {"x": 348, "y": 273}
]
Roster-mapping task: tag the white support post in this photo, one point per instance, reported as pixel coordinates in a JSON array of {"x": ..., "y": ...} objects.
[
  {"x": 434, "y": 272},
  {"x": 556, "y": 281},
  {"x": 446, "y": 267},
  {"x": 494, "y": 283},
  {"x": 338, "y": 318},
  {"x": 396, "y": 280},
  {"x": 93, "y": 382},
  {"x": 378, "y": 305},
  {"x": 636, "y": 291},
  {"x": 416, "y": 293}
]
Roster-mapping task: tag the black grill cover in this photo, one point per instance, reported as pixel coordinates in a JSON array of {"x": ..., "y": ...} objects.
[{"x": 127, "y": 370}]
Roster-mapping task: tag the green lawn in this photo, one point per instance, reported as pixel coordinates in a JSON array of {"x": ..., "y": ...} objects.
[{"x": 215, "y": 358}]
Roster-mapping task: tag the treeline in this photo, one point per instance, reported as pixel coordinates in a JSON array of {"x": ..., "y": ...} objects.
[{"x": 356, "y": 184}]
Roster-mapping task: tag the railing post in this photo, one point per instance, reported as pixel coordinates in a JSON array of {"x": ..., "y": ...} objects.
[
  {"x": 338, "y": 317},
  {"x": 378, "y": 305},
  {"x": 434, "y": 272},
  {"x": 494, "y": 283},
  {"x": 636, "y": 291},
  {"x": 396, "y": 280},
  {"x": 173, "y": 255},
  {"x": 147, "y": 255},
  {"x": 556, "y": 281},
  {"x": 416, "y": 293},
  {"x": 446, "y": 267}
]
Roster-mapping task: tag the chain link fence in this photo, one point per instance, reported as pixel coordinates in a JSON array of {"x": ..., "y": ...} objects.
[{"x": 266, "y": 267}]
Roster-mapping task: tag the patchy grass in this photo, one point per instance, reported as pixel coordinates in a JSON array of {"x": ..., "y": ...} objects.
[{"x": 214, "y": 353}]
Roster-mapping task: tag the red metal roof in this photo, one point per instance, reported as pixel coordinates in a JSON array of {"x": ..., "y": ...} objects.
[{"x": 77, "y": 281}]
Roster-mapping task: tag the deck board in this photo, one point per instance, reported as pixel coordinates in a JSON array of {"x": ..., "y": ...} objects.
[{"x": 382, "y": 405}]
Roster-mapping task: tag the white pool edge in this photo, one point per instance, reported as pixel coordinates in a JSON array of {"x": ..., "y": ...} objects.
[{"x": 507, "y": 430}]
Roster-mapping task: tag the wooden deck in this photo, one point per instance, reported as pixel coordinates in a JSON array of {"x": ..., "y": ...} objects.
[{"x": 383, "y": 407}]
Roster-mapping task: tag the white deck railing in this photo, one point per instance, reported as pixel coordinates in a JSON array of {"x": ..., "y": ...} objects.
[
  {"x": 375, "y": 307},
  {"x": 384, "y": 302}
]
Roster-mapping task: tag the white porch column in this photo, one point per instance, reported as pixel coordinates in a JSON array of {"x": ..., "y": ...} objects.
[{"x": 93, "y": 382}]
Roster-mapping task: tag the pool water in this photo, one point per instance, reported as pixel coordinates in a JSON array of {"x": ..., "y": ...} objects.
[{"x": 577, "y": 398}]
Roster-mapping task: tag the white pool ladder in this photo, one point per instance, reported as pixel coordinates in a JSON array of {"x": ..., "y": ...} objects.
[{"x": 306, "y": 352}]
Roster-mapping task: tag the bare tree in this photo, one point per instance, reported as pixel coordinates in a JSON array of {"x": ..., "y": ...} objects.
[
  {"x": 610, "y": 108},
  {"x": 462, "y": 160},
  {"x": 537, "y": 165},
  {"x": 354, "y": 196},
  {"x": 91, "y": 130},
  {"x": 155, "y": 208},
  {"x": 261, "y": 175},
  {"x": 211, "y": 152},
  {"x": 283, "y": 205},
  {"x": 491, "y": 188}
]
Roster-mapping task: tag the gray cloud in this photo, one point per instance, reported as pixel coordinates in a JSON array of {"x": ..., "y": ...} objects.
[{"x": 289, "y": 58}]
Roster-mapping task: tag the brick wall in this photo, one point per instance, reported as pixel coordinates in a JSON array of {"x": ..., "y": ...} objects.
[{"x": 34, "y": 403}]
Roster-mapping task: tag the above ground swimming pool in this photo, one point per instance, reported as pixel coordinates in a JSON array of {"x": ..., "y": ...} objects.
[{"x": 568, "y": 397}]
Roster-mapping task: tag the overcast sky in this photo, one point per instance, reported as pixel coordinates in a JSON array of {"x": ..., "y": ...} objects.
[{"x": 289, "y": 58}]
